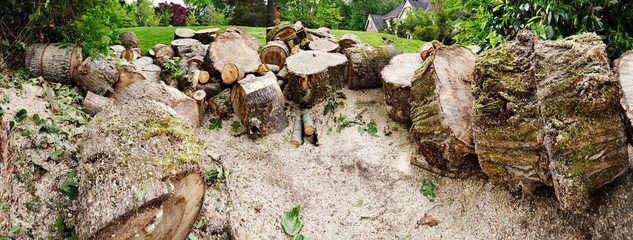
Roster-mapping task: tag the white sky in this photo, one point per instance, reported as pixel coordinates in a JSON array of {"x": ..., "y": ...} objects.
[{"x": 156, "y": 2}]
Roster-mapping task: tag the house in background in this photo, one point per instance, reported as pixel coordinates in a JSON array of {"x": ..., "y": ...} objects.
[{"x": 378, "y": 23}]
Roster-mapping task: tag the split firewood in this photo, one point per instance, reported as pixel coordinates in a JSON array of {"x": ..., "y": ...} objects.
[
  {"x": 128, "y": 40},
  {"x": 308, "y": 124},
  {"x": 180, "y": 33},
  {"x": 94, "y": 103},
  {"x": 624, "y": 73},
  {"x": 161, "y": 50},
  {"x": 187, "y": 47},
  {"x": 230, "y": 47},
  {"x": 210, "y": 88},
  {"x": 441, "y": 109},
  {"x": 275, "y": 52},
  {"x": 221, "y": 105},
  {"x": 297, "y": 132},
  {"x": 347, "y": 41},
  {"x": 206, "y": 36},
  {"x": 259, "y": 104},
  {"x": 396, "y": 79},
  {"x": 117, "y": 49},
  {"x": 281, "y": 32},
  {"x": 156, "y": 183},
  {"x": 131, "y": 54},
  {"x": 249, "y": 39},
  {"x": 52, "y": 62},
  {"x": 97, "y": 76},
  {"x": 313, "y": 76},
  {"x": 365, "y": 64},
  {"x": 324, "y": 45},
  {"x": 128, "y": 76},
  {"x": 232, "y": 73},
  {"x": 264, "y": 68}
]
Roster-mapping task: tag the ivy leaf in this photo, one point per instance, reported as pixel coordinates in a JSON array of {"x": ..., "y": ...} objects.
[
  {"x": 69, "y": 187},
  {"x": 216, "y": 124},
  {"x": 20, "y": 115},
  {"x": 291, "y": 223},
  {"x": 427, "y": 190}
]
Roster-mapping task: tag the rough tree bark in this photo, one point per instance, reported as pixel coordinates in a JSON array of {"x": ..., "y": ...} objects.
[
  {"x": 347, "y": 41},
  {"x": 142, "y": 178},
  {"x": 275, "y": 52},
  {"x": 53, "y": 63},
  {"x": 259, "y": 104},
  {"x": 206, "y": 36},
  {"x": 313, "y": 76},
  {"x": 180, "y": 33},
  {"x": 230, "y": 47},
  {"x": 365, "y": 63},
  {"x": 97, "y": 76},
  {"x": 396, "y": 79},
  {"x": 221, "y": 105},
  {"x": 185, "y": 47},
  {"x": 128, "y": 40},
  {"x": 94, "y": 103}
]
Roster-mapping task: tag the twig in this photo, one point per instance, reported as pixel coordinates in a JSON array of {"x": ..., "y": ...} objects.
[
  {"x": 426, "y": 166},
  {"x": 49, "y": 95}
]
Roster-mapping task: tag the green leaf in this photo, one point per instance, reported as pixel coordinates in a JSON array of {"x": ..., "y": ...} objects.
[
  {"x": 192, "y": 237},
  {"x": 139, "y": 195},
  {"x": 298, "y": 237},
  {"x": 57, "y": 153},
  {"x": 69, "y": 187},
  {"x": 216, "y": 124},
  {"x": 5, "y": 98},
  {"x": 291, "y": 223},
  {"x": 20, "y": 115},
  {"x": 427, "y": 190}
]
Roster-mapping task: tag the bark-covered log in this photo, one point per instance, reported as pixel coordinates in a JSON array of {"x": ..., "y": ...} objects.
[
  {"x": 324, "y": 45},
  {"x": 308, "y": 124},
  {"x": 326, "y": 32},
  {"x": 441, "y": 109},
  {"x": 94, "y": 103},
  {"x": 230, "y": 47},
  {"x": 184, "y": 33},
  {"x": 203, "y": 77},
  {"x": 142, "y": 179},
  {"x": 200, "y": 97},
  {"x": 297, "y": 132},
  {"x": 249, "y": 39},
  {"x": 313, "y": 76},
  {"x": 347, "y": 41},
  {"x": 365, "y": 63},
  {"x": 54, "y": 63},
  {"x": 221, "y": 105},
  {"x": 161, "y": 50},
  {"x": 275, "y": 52},
  {"x": 131, "y": 54},
  {"x": 206, "y": 36},
  {"x": 128, "y": 40},
  {"x": 281, "y": 32},
  {"x": 211, "y": 89},
  {"x": 264, "y": 68},
  {"x": 624, "y": 72},
  {"x": 232, "y": 73},
  {"x": 187, "y": 47},
  {"x": 259, "y": 104},
  {"x": 396, "y": 79},
  {"x": 97, "y": 76}
]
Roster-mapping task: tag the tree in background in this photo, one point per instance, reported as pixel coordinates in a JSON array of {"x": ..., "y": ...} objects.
[
  {"x": 143, "y": 13},
  {"x": 214, "y": 16},
  {"x": 312, "y": 13},
  {"x": 249, "y": 13},
  {"x": 356, "y": 12}
]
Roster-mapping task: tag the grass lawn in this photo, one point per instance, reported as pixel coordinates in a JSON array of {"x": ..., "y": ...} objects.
[{"x": 149, "y": 36}]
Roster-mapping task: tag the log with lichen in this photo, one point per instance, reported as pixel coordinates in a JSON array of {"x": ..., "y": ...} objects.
[
  {"x": 396, "y": 79},
  {"x": 365, "y": 63},
  {"x": 259, "y": 104},
  {"x": 441, "y": 109},
  {"x": 140, "y": 177},
  {"x": 313, "y": 76}
]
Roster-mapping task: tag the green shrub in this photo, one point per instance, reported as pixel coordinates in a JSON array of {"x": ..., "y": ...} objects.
[
  {"x": 215, "y": 16},
  {"x": 143, "y": 12},
  {"x": 164, "y": 16}
]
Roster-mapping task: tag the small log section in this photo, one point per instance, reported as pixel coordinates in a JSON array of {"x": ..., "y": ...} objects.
[
  {"x": 230, "y": 47},
  {"x": 128, "y": 76},
  {"x": 347, "y": 41},
  {"x": 144, "y": 181},
  {"x": 94, "y": 103},
  {"x": 624, "y": 73},
  {"x": 161, "y": 50},
  {"x": 232, "y": 73},
  {"x": 282, "y": 32},
  {"x": 97, "y": 76},
  {"x": 275, "y": 52},
  {"x": 250, "y": 40},
  {"x": 441, "y": 109},
  {"x": 365, "y": 63},
  {"x": 128, "y": 40},
  {"x": 308, "y": 124},
  {"x": 396, "y": 79},
  {"x": 206, "y": 36},
  {"x": 221, "y": 105},
  {"x": 131, "y": 54},
  {"x": 53, "y": 63},
  {"x": 259, "y": 104},
  {"x": 184, "y": 33},
  {"x": 297, "y": 132},
  {"x": 313, "y": 76},
  {"x": 324, "y": 45}
]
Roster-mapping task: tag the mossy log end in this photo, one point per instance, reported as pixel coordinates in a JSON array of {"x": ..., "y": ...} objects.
[
  {"x": 396, "y": 79},
  {"x": 365, "y": 63},
  {"x": 141, "y": 177},
  {"x": 313, "y": 76},
  {"x": 259, "y": 104},
  {"x": 441, "y": 109}
]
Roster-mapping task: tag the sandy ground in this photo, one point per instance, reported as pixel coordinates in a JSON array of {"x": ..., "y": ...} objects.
[{"x": 352, "y": 186}]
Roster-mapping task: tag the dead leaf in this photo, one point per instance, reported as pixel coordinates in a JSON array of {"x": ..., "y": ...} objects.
[{"x": 428, "y": 220}]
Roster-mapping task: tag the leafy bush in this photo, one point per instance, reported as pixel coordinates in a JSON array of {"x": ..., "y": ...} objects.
[
  {"x": 192, "y": 19},
  {"x": 427, "y": 26},
  {"x": 163, "y": 14},
  {"x": 178, "y": 13},
  {"x": 312, "y": 13},
  {"x": 215, "y": 16},
  {"x": 143, "y": 12}
]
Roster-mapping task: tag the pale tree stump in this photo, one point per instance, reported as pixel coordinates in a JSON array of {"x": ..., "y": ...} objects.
[
  {"x": 313, "y": 76},
  {"x": 396, "y": 79},
  {"x": 259, "y": 104},
  {"x": 365, "y": 63}
]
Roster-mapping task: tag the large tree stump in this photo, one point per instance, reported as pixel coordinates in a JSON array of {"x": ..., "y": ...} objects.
[
  {"x": 180, "y": 33},
  {"x": 347, "y": 41},
  {"x": 275, "y": 52},
  {"x": 128, "y": 40},
  {"x": 206, "y": 36},
  {"x": 324, "y": 45},
  {"x": 259, "y": 104},
  {"x": 441, "y": 109},
  {"x": 624, "y": 72},
  {"x": 365, "y": 63},
  {"x": 313, "y": 76},
  {"x": 249, "y": 39},
  {"x": 230, "y": 47},
  {"x": 396, "y": 79},
  {"x": 97, "y": 76},
  {"x": 54, "y": 63},
  {"x": 141, "y": 177},
  {"x": 282, "y": 32}
]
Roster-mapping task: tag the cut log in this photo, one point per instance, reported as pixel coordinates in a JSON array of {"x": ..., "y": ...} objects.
[
  {"x": 325, "y": 33},
  {"x": 221, "y": 105},
  {"x": 97, "y": 76},
  {"x": 94, "y": 103},
  {"x": 324, "y": 45},
  {"x": 308, "y": 124},
  {"x": 128, "y": 40},
  {"x": 249, "y": 39},
  {"x": 206, "y": 36},
  {"x": 313, "y": 76},
  {"x": 161, "y": 50},
  {"x": 297, "y": 132},
  {"x": 151, "y": 189},
  {"x": 264, "y": 68},
  {"x": 131, "y": 54},
  {"x": 624, "y": 73},
  {"x": 229, "y": 47},
  {"x": 184, "y": 33},
  {"x": 365, "y": 63},
  {"x": 203, "y": 77},
  {"x": 396, "y": 79},
  {"x": 275, "y": 52},
  {"x": 54, "y": 63},
  {"x": 189, "y": 109},
  {"x": 200, "y": 97},
  {"x": 441, "y": 109},
  {"x": 232, "y": 73},
  {"x": 295, "y": 50},
  {"x": 259, "y": 104},
  {"x": 187, "y": 47},
  {"x": 347, "y": 41},
  {"x": 117, "y": 49},
  {"x": 281, "y": 32},
  {"x": 211, "y": 89},
  {"x": 128, "y": 76}
]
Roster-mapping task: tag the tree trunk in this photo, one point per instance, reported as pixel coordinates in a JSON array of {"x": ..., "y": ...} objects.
[
  {"x": 275, "y": 52},
  {"x": 211, "y": 89},
  {"x": 94, "y": 103},
  {"x": 187, "y": 47},
  {"x": 152, "y": 189},
  {"x": 259, "y": 104},
  {"x": 297, "y": 132},
  {"x": 365, "y": 63},
  {"x": 441, "y": 109},
  {"x": 308, "y": 124},
  {"x": 229, "y": 47},
  {"x": 232, "y": 73},
  {"x": 313, "y": 76},
  {"x": 160, "y": 50},
  {"x": 53, "y": 63},
  {"x": 396, "y": 79},
  {"x": 324, "y": 45},
  {"x": 128, "y": 40},
  {"x": 249, "y": 39},
  {"x": 624, "y": 72},
  {"x": 97, "y": 76},
  {"x": 206, "y": 36},
  {"x": 347, "y": 41},
  {"x": 131, "y": 54},
  {"x": 281, "y": 32},
  {"x": 180, "y": 33},
  {"x": 221, "y": 104}
]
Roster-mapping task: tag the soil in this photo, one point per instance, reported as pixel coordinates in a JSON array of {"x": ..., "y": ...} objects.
[{"x": 352, "y": 186}]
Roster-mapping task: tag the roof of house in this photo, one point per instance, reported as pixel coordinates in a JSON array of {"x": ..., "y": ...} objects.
[{"x": 378, "y": 22}]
